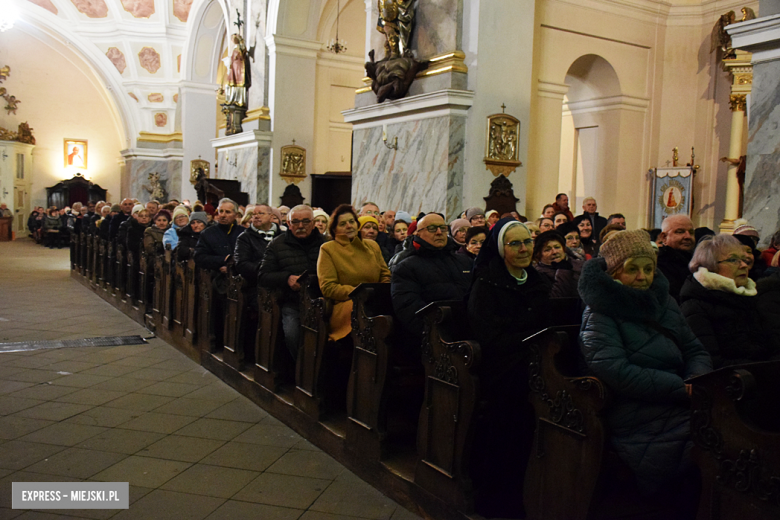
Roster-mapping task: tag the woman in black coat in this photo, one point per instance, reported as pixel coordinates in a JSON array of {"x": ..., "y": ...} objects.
[
  {"x": 508, "y": 303},
  {"x": 189, "y": 235},
  {"x": 552, "y": 260},
  {"x": 719, "y": 304}
]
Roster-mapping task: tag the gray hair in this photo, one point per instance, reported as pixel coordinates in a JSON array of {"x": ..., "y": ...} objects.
[
  {"x": 105, "y": 210},
  {"x": 228, "y": 201},
  {"x": 588, "y": 199},
  {"x": 709, "y": 249},
  {"x": 299, "y": 207}
]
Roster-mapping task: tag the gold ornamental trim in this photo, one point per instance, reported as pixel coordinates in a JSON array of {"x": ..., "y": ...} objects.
[
  {"x": 263, "y": 113},
  {"x": 150, "y": 137},
  {"x": 195, "y": 166},
  {"x": 443, "y": 63},
  {"x": 367, "y": 86},
  {"x": 738, "y": 102}
]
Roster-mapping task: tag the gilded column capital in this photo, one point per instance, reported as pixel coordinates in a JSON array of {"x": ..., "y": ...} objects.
[{"x": 737, "y": 102}]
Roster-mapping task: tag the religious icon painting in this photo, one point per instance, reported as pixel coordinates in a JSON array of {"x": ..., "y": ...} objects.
[
  {"x": 671, "y": 193},
  {"x": 76, "y": 153}
]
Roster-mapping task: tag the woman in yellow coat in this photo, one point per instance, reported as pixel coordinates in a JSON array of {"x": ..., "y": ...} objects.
[{"x": 344, "y": 263}]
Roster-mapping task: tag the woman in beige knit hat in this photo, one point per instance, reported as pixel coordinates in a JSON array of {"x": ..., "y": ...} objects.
[{"x": 635, "y": 339}]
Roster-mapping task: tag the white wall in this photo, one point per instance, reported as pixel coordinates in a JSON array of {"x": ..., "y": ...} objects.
[{"x": 60, "y": 98}]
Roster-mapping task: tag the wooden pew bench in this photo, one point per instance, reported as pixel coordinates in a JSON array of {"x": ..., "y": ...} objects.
[
  {"x": 735, "y": 424},
  {"x": 315, "y": 313}
]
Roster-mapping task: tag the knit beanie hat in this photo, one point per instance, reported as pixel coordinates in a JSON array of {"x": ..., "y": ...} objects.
[
  {"x": 366, "y": 218},
  {"x": 199, "y": 216},
  {"x": 116, "y": 208},
  {"x": 743, "y": 228},
  {"x": 473, "y": 212},
  {"x": 278, "y": 214},
  {"x": 137, "y": 208},
  {"x": 320, "y": 213},
  {"x": 163, "y": 213},
  {"x": 403, "y": 215},
  {"x": 458, "y": 223},
  {"x": 180, "y": 211},
  {"x": 623, "y": 245},
  {"x": 491, "y": 212}
]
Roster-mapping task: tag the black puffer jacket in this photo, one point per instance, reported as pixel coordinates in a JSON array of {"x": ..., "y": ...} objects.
[
  {"x": 626, "y": 338},
  {"x": 674, "y": 264},
  {"x": 503, "y": 313},
  {"x": 250, "y": 248},
  {"x": 116, "y": 221},
  {"x": 727, "y": 323},
  {"x": 769, "y": 305},
  {"x": 215, "y": 244},
  {"x": 427, "y": 275},
  {"x": 105, "y": 227},
  {"x": 188, "y": 239},
  {"x": 135, "y": 236},
  {"x": 286, "y": 256}
]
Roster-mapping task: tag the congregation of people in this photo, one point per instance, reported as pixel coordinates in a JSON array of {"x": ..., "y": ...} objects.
[{"x": 659, "y": 306}]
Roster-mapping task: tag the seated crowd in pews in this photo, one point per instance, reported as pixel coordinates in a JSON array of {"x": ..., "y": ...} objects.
[{"x": 660, "y": 307}]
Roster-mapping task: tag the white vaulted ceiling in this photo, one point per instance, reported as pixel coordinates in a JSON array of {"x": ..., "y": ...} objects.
[{"x": 135, "y": 47}]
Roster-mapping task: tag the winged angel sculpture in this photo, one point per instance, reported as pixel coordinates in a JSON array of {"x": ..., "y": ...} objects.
[{"x": 720, "y": 39}]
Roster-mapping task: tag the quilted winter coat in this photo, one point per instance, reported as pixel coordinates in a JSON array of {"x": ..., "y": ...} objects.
[{"x": 626, "y": 340}]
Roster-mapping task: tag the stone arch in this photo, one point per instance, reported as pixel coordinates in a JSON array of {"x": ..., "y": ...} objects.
[{"x": 205, "y": 34}]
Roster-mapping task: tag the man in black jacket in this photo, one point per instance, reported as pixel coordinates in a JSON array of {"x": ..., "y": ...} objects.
[
  {"x": 431, "y": 272},
  {"x": 251, "y": 245},
  {"x": 213, "y": 252},
  {"x": 677, "y": 234},
  {"x": 589, "y": 212},
  {"x": 286, "y": 258},
  {"x": 116, "y": 221}
]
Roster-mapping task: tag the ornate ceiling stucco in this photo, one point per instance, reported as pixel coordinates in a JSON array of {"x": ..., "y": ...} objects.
[{"x": 140, "y": 41}]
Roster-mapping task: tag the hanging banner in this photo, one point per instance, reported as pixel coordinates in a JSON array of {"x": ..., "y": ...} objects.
[{"x": 672, "y": 190}]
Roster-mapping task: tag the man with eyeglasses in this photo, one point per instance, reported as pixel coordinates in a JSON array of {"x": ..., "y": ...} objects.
[
  {"x": 677, "y": 234},
  {"x": 431, "y": 272},
  {"x": 370, "y": 209},
  {"x": 286, "y": 258}
]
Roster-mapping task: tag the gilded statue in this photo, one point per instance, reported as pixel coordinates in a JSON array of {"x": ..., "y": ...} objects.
[
  {"x": 720, "y": 38},
  {"x": 155, "y": 189},
  {"x": 392, "y": 75},
  {"x": 238, "y": 77},
  {"x": 396, "y": 18}
]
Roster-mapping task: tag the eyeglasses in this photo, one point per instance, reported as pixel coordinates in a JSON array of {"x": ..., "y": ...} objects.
[
  {"x": 297, "y": 222},
  {"x": 260, "y": 214},
  {"x": 735, "y": 260},
  {"x": 433, "y": 229},
  {"x": 515, "y": 244}
]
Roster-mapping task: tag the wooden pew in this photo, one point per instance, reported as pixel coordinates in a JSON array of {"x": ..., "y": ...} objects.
[
  {"x": 120, "y": 271},
  {"x": 205, "y": 334},
  {"x": 74, "y": 250},
  {"x": 569, "y": 444},
  {"x": 109, "y": 267},
  {"x": 271, "y": 356},
  {"x": 146, "y": 280},
  {"x": 315, "y": 312},
  {"x": 233, "y": 354},
  {"x": 95, "y": 261},
  {"x": 381, "y": 382},
  {"x": 446, "y": 425},
  {"x": 86, "y": 254},
  {"x": 174, "y": 310},
  {"x": 158, "y": 288},
  {"x": 193, "y": 304},
  {"x": 735, "y": 424},
  {"x": 100, "y": 262}
]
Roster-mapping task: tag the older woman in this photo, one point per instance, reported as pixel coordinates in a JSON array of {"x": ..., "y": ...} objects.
[
  {"x": 552, "y": 261},
  {"x": 321, "y": 221},
  {"x": 153, "y": 235},
  {"x": 508, "y": 303},
  {"x": 719, "y": 303},
  {"x": 635, "y": 339},
  {"x": 181, "y": 217},
  {"x": 571, "y": 233},
  {"x": 589, "y": 242},
  {"x": 368, "y": 229},
  {"x": 458, "y": 228},
  {"x": 545, "y": 224},
  {"x": 189, "y": 235},
  {"x": 344, "y": 263},
  {"x": 475, "y": 237}
]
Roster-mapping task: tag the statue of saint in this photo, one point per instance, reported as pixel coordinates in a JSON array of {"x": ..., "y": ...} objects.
[
  {"x": 396, "y": 18},
  {"x": 238, "y": 78}
]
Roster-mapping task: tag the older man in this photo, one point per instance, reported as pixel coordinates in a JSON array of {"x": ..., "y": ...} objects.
[
  {"x": 251, "y": 244},
  {"x": 370, "y": 209},
  {"x": 431, "y": 272},
  {"x": 589, "y": 211},
  {"x": 127, "y": 207},
  {"x": 677, "y": 234},
  {"x": 286, "y": 258},
  {"x": 4, "y": 211}
]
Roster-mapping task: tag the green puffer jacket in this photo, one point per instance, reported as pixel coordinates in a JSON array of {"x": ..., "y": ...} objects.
[{"x": 626, "y": 340}]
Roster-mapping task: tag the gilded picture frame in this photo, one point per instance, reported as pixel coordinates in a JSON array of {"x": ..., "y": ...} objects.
[{"x": 75, "y": 153}]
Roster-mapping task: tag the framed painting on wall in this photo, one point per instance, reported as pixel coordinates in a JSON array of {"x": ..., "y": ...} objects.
[{"x": 76, "y": 153}]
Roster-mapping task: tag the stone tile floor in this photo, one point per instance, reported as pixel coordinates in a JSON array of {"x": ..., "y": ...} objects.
[{"x": 190, "y": 446}]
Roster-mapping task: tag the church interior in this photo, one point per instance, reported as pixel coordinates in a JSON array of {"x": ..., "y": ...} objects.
[{"x": 653, "y": 108}]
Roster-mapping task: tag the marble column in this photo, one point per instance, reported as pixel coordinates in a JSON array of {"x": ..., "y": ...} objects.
[
  {"x": 245, "y": 157},
  {"x": 423, "y": 170},
  {"x": 762, "y": 182},
  {"x": 153, "y": 155},
  {"x": 742, "y": 77}
]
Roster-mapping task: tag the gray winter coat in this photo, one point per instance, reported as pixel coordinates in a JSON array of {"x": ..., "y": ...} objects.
[{"x": 626, "y": 338}]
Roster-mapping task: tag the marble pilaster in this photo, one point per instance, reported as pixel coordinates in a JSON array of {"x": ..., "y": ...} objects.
[
  {"x": 425, "y": 172},
  {"x": 245, "y": 157},
  {"x": 762, "y": 183}
]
